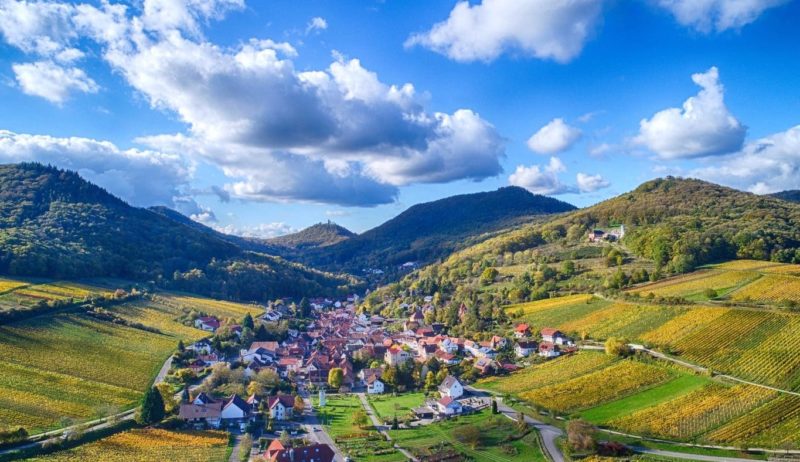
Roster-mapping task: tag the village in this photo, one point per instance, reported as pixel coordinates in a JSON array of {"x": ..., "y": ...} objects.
[{"x": 338, "y": 351}]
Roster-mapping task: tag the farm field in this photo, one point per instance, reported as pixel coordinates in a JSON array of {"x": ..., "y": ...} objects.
[
  {"x": 149, "y": 445},
  {"x": 68, "y": 367},
  {"x": 493, "y": 446}
]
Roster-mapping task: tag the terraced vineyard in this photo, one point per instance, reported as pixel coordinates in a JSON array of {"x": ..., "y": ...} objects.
[
  {"x": 19, "y": 295},
  {"x": 69, "y": 366},
  {"x": 760, "y": 344},
  {"x": 149, "y": 445}
]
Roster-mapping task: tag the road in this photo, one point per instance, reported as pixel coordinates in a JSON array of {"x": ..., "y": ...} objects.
[
  {"x": 237, "y": 442},
  {"x": 549, "y": 433},
  {"x": 382, "y": 429},
  {"x": 317, "y": 433}
]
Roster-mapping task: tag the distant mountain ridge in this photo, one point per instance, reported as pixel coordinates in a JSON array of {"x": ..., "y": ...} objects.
[
  {"x": 792, "y": 195},
  {"x": 431, "y": 230},
  {"x": 315, "y": 236},
  {"x": 55, "y": 224}
]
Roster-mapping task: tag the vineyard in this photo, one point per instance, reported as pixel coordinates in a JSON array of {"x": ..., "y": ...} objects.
[
  {"x": 613, "y": 382},
  {"x": 694, "y": 285},
  {"x": 770, "y": 289},
  {"x": 20, "y": 294},
  {"x": 67, "y": 367},
  {"x": 695, "y": 413},
  {"x": 149, "y": 445},
  {"x": 549, "y": 373}
]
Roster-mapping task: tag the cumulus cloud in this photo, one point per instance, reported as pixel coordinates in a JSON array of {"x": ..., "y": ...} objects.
[
  {"x": 718, "y": 15},
  {"x": 541, "y": 179},
  {"x": 591, "y": 183},
  {"x": 767, "y": 165},
  {"x": 262, "y": 230},
  {"x": 316, "y": 24},
  {"x": 554, "y": 138},
  {"x": 703, "y": 127},
  {"x": 335, "y": 135},
  {"x": 51, "y": 81},
  {"x": 545, "y": 29},
  {"x": 140, "y": 177}
]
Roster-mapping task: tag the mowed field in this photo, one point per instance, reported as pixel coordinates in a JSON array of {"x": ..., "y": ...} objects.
[
  {"x": 149, "y": 445},
  {"x": 65, "y": 366}
]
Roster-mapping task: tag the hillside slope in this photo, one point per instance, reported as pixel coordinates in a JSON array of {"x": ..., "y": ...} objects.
[
  {"x": 433, "y": 230},
  {"x": 55, "y": 224},
  {"x": 315, "y": 236}
]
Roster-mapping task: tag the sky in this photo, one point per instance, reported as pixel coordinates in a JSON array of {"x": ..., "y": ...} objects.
[{"x": 260, "y": 118}]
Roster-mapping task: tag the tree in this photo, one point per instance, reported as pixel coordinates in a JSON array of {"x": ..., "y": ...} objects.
[
  {"x": 430, "y": 381},
  {"x": 181, "y": 346},
  {"x": 299, "y": 404},
  {"x": 488, "y": 276},
  {"x": 360, "y": 419},
  {"x": 389, "y": 377},
  {"x": 580, "y": 435},
  {"x": 152, "y": 410},
  {"x": 335, "y": 377},
  {"x": 494, "y": 406},
  {"x": 247, "y": 322},
  {"x": 567, "y": 268},
  {"x": 468, "y": 434},
  {"x": 285, "y": 439},
  {"x": 617, "y": 347},
  {"x": 305, "y": 308}
]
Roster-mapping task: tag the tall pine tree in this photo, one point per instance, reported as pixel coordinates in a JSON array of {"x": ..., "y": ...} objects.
[{"x": 152, "y": 408}]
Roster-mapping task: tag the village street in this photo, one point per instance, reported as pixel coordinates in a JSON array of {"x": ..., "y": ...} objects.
[{"x": 316, "y": 431}]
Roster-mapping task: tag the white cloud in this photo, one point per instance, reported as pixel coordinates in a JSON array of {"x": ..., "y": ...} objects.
[
  {"x": 767, "y": 165},
  {"x": 545, "y": 29},
  {"x": 541, "y": 179},
  {"x": 591, "y": 183},
  {"x": 52, "y": 82},
  {"x": 139, "y": 177},
  {"x": 718, "y": 15},
  {"x": 600, "y": 149},
  {"x": 262, "y": 231},
  {"x": 335, "y": 135},
  {"x": 316, "y": 24},
  {"x": 704, "y": 127},
  {"x": 43, "y": 28},
  {"x": 554, "y": 138}
]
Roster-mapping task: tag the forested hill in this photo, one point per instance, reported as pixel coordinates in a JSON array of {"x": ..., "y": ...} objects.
[
  {"x": 55, "y": 224},
  {"x": 791, "y": 196},
  {"x": 318, "y": 235},
  {"x": 677, "y": 223},
  {"x": 435, "y": 229}
]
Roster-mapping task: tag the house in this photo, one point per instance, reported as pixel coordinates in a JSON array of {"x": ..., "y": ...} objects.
[
  {"x": 448, "y": 406},
  {"x": 446, "y": 358},
  {"x": 424, "y": 412},
  {"x": 549, "y": 350},
  {"x": 484, "y": 365},
  {"x": 524, "y": 348},
  {"x": 497, "y": 342},
  {"x": 310, "y": 453},
  {"x": 448, "y": 345},
  {"x": 274, "y": 448},
  {"x": 451, "y": 387},
  {"x": 235, "y": 408},
  {"x": 197, "y": 365},
  {"x": 281, "y": 407},
  {"x": 374, "y": 385},
  {"x": 596, "y": 235},
  {"x": 395, "y": 356},
  {"x": 201, "y": 347},
  {"x": 202, "y": 413},
  {"x": 207, "y": 323},
  {"x": 522, "y": 330},
  {"x": 365, "y": 374},
  {"x": 555, "y": 336}
]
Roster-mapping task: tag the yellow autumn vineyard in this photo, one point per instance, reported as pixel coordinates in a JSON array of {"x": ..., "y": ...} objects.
[
  {"x": 695, "y": 413},
  {"x": 597, "y": 387},
  {"x": 149, "y": 445},
  {"x": 551, "y": 372}
]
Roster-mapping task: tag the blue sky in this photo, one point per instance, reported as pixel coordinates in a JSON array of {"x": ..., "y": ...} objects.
[{"x": 262, "y": 117}]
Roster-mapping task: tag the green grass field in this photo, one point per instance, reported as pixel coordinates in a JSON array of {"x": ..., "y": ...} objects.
[
  {"x": 387, "y": 406},
  {"x": 680, "y": 385},
  {"x": 497, "y": 443},
  {"x": 65, "y": 367}
]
